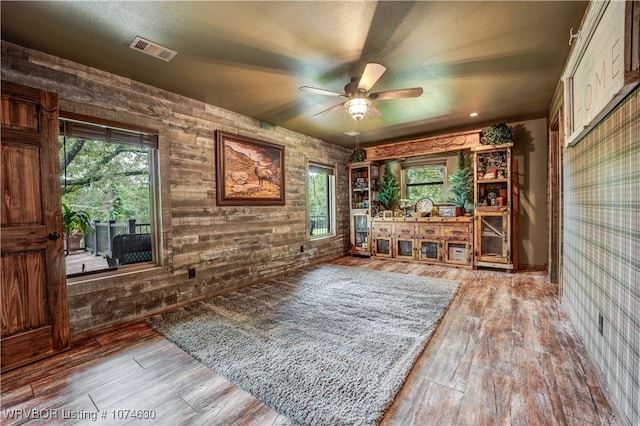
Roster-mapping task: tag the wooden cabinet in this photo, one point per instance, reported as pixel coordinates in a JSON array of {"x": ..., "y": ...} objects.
[
  {"x": 362, "y": 191},
  {"x": 430, "y": 240},
  {"x": 381, "y": 238},
  {"x": 493, "y": 206}
]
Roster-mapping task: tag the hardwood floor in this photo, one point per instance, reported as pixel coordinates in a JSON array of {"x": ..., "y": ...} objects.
[{"x": 504, "y": 353}]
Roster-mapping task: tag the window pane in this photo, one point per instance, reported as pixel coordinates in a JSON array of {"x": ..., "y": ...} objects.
[
  {"x": 108, "y": 185},
  {"x": 320, "y": 205},
  {"x": 425, "y": 174},
  {"x": 435, "y": 192},
  {"x": 426, "y": 181}
]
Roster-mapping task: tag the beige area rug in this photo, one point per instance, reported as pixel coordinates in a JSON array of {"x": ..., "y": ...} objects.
[{"x": 328, "y": 345}]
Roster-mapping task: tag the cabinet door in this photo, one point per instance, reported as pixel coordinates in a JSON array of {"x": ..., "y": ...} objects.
[
  {"x": 382, "y": 247},
  {"x": 360, "y": 232},
  {"x": 457, "y": 252},
  {"x": 429, "y": 250},
  {"x": 404, "y": 248},
  {"x": 492, "y": 237}
]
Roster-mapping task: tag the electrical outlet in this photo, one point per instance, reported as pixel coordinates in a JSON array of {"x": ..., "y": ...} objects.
[
  {"x": 600, "y": 323},
  {"x": 192, "y": 273}
]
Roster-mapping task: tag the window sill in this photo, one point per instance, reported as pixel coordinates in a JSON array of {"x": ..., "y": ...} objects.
[
  {"x": 111, "y": 278},
  {"x": 321, "y": 237}
]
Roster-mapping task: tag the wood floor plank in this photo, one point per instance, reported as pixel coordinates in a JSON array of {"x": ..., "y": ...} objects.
[
  {"x": 434, "y": 404},
  {"x": 206, "y": 390},
  {"x": 17, "y": 396},
  {"x": 172, "y": 412},
  {"x": 88, "y": 377},
  {"x": 486, "y": 400},
  {"x": 157, "y": 390},
  {"x": 535, "y": 391},
  {"x": 230, "y": 406},
  {"x": 504, "y": 354},
  {"x": 450, "y": 366}
]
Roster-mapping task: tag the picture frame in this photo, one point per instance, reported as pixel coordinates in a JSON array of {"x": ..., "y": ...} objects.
[{"x": 249, "y": 172}]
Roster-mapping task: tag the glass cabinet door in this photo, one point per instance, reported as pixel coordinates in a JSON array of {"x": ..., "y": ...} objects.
[
  {"x": 404, "y": 248},
  {"x": 360, "y": 228},
  {"x": 493, "y": 237},
  {"x": 382, "y": 247},
  {"x": 429, "y": 250},
  {"x": 360, "y": 233},
  {"x": 457, "y": 252}
]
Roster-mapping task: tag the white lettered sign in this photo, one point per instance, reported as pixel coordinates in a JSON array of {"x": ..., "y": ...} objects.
[{"x": 594, "y": 78}]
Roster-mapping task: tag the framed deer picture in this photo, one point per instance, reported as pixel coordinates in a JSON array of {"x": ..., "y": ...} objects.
[{"x": 248, "y": 171}]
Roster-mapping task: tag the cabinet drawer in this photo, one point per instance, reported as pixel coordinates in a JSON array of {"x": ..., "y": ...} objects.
[
  {"x": 404, "y": 230},
  {"x": 458, "y": 232},
  {"x": 381, "y": 229},
  {"x": 428, "y": 231}
]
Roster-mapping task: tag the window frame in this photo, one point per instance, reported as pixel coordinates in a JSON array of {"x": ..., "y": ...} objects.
[
  {"x": 331, "y": 198},
  {"x": 151, "y": 141}
]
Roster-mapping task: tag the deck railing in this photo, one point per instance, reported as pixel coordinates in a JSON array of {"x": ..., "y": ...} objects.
[
  {"x": 318, "y": 225},
  {"x": 99, "y": 242}
]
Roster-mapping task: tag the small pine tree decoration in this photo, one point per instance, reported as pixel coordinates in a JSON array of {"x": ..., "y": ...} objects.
[
  {"x": 461, "y": 189},
  {"x": 388, "y": 189}
]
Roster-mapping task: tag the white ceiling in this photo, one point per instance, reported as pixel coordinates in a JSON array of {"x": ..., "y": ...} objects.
[{"x": 500, "y": 59}]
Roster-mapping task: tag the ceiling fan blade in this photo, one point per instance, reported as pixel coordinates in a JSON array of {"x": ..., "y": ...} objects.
[
  {"x": 373, "y": 112},
  {"x": 328, "y": 110},
  {"x": 413, "y": 92},
  {"x": 321, "y": 91},
  {"x": 372, "y": 72}
]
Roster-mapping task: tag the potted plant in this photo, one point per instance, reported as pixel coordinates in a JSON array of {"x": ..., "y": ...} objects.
[
  {"x": 357, "y": 155},
  {"x": 388, "y": 189},
  {"x": 461, "y": 189},
  {"x": 497, "y": 134},
  {"x": 75, "y": 224}
]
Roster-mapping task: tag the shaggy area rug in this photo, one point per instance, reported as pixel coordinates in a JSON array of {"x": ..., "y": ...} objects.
[{"x": 324, "y": 345}]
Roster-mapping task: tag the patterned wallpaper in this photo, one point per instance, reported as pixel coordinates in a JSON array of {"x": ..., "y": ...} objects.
[{"x": 601, "y": 252}]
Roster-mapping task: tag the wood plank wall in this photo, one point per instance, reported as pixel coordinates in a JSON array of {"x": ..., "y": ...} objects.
[{"x": 229, "y": 247}]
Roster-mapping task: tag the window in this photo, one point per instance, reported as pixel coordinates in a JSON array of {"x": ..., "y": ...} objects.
[
  {"x": 108, "y": 193},
  {"x": 424, "y": 180},
  {"x": 321, "y": 196}
]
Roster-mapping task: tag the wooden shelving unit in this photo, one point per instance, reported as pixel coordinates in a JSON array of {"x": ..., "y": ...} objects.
[
  {"x": 493, "y": 211},
  {"x": 363, "y": 183}
]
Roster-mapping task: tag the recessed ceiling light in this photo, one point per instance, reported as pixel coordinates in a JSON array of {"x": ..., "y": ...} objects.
[
  {"x": 473, "y": 114},
  {"x": 352, "y": 133}
]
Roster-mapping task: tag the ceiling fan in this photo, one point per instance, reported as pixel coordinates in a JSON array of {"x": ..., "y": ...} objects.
[{"x": 358, "y": 103}]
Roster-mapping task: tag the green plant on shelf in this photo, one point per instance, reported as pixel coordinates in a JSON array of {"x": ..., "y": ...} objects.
[
  {"x": 461, "y": 189},
  {"x": 497, "y": 134},
  {"x": 388, "y": 189}
]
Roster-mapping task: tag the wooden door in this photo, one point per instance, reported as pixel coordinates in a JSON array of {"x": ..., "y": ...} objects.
[{"x": 34, "y": 311}]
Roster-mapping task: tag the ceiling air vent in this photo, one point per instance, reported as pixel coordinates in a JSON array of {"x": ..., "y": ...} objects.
[{"x": 152, "y": 49}]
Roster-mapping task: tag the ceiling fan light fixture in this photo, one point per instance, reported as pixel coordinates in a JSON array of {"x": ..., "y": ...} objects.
[{"x": 357, "y": 107}]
